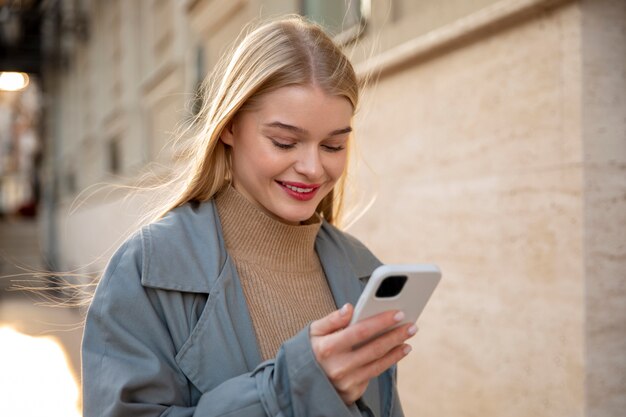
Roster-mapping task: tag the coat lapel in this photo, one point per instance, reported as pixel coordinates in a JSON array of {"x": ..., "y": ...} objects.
[
  {"x": 342, "y": 278},
  {"x": 223, "y": 343}
]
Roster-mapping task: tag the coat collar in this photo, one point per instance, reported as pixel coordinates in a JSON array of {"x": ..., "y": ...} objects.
[{"x": 185, "y": 251}]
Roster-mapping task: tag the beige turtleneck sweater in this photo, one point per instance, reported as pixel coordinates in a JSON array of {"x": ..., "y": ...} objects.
[{"x": 280, "y": 272}]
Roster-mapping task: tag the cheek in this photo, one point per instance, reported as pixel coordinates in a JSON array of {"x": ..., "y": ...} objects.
[
  {"x": 335, "y": 165},
  {"x": 266, "y": 161}
]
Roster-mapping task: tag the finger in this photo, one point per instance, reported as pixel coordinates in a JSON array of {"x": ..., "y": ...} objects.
[
  {"x": 373, "y": 369},
  {"x": 336, "y": 320},
  {"x": 368, "y": 328},
  {"x": 380, "y": 346},
  {"x": 376, "y": 348}
]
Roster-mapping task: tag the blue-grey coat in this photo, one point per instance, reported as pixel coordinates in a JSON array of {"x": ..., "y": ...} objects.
[{"x": 169, "y": 334}]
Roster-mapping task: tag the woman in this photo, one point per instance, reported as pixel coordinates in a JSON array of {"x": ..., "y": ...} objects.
[{"x": 227, "y": 305}]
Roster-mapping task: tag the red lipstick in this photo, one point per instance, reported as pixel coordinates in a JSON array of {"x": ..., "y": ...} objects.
[{"x": 289, "y": 188}]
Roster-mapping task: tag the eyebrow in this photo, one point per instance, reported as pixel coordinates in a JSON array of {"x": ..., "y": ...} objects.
[{"x": 300, "y": 130}]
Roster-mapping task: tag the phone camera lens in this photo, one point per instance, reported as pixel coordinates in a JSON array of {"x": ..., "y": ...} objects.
[{"x": 391, "y": 286}]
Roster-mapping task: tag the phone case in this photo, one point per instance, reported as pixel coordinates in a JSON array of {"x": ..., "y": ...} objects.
[{"x": 421, "y": 281}]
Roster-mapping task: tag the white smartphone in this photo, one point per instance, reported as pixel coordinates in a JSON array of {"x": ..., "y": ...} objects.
[{"x": 398, "y": 287}]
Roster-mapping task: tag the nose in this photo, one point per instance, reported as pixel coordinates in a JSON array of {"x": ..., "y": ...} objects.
[{"x": 309, "y": 163}]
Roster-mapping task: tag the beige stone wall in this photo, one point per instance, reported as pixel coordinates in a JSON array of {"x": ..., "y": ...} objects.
[
  {"x": 501, "y": 158},
  {"x": 478, "y": 166},
  {"x": 604, "y": 150},
  {"x": 393, "y": 22}
]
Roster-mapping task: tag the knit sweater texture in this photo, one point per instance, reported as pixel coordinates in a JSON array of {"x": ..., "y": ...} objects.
[{"x": 281, "y": 275}]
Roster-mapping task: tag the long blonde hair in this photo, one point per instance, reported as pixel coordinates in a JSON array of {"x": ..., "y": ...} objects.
[{"x": 287, "y": 51}]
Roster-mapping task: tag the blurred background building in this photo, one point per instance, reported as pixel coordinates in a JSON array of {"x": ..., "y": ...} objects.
[{"x": 492, "y": 135}]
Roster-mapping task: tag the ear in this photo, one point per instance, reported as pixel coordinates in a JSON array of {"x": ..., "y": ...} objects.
[{"x": 228, "y": 134}]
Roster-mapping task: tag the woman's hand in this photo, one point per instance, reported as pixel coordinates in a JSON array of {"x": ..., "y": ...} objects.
[{"x": 348, "y": 369}]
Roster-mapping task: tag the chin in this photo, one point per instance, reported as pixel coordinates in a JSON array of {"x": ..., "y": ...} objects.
[{"x": 296, "y": 217}]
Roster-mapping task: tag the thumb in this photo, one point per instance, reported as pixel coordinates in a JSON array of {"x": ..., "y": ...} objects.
[{"x": 336, "y": 320}]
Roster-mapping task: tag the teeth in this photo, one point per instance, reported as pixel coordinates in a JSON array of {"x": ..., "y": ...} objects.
[{"x": 299, "y": 190}]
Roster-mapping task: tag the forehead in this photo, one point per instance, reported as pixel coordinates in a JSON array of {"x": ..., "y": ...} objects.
[{"x": 305, "y": 106}]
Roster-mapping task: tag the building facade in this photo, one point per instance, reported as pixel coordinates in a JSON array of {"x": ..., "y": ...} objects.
[{"x": 491, "y": 140}]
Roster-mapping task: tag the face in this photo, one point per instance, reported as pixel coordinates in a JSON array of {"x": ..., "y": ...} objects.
[{"x": 289, "y": 152}]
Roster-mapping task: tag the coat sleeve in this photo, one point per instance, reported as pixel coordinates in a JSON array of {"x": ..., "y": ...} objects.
[
  {"x": 396, "y": 406},
  {"x": 129, "y": 365}
]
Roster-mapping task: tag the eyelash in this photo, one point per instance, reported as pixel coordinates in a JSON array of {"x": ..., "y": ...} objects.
[
  {"x": 285, "y": 146},
  {"x": 334, "y": 148},
  {"x": 282, "y": 145}
]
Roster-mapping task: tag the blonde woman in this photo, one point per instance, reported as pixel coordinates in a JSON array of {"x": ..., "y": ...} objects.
[{"x": 228, "y": 304}]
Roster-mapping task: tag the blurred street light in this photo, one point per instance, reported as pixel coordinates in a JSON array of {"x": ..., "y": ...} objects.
[
  {"x": 13, "y": 81},
  {"x": 36, "y": 379}
]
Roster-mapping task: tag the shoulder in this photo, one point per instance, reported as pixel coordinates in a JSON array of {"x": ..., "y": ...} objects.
[
  {"x": 180, "y": 224},
  {"x": 362, "y": 260},
  {"x": 182, "y": 251}
]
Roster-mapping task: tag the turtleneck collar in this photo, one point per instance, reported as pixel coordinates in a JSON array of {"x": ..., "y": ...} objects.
[{"x": 252, "y": 235}]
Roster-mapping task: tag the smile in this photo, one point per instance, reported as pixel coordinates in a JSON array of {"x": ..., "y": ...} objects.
[{"x": 302, "y": 192}]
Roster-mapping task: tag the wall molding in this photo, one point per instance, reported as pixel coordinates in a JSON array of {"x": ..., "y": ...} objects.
[{"x": 490, "y": 18}]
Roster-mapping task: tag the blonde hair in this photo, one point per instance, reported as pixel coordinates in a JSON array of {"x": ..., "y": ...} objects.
[{"x": 285, "y": 52}]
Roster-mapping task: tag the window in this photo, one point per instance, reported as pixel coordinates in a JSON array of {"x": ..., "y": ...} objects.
[
  {"x": 114, "y": 163},
  {"x": 345, "y": 19},
  {"x": 200, "y": 73}
]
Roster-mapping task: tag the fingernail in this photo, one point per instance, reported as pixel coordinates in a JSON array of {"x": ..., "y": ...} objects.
[
  {"x": 407, "y": 349},
  {"x": 399, "y": 316},
  {"x": 344, "y": 310},
  {"x": 412, "y": 330}
]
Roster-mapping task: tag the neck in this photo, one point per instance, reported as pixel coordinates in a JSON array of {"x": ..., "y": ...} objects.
[{"x": 251, "y": 234}]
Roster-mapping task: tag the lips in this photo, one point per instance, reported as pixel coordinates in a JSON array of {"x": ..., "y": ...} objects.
[{"x": 298, "y": 190}]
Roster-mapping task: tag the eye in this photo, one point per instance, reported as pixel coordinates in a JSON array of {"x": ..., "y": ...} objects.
[
  {"x": 281, "y": 145},
  {"x": 333, "y": 148}
]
